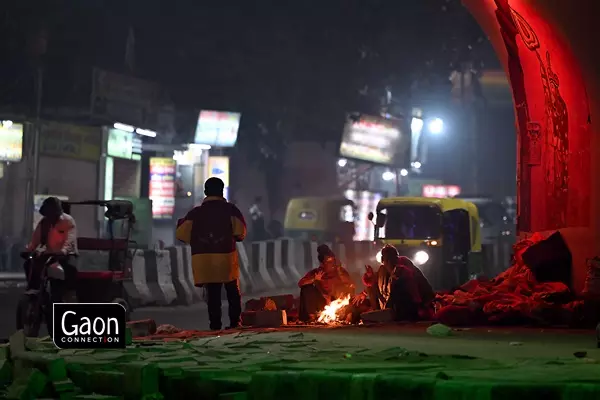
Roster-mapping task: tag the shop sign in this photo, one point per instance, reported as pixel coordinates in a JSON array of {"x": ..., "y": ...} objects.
[
  {"x": 123, "y": 144},
  {"x": 162, "y": 187},
  {"x": 71, "y": 141},
  {"x": 11, "y": 142},
  {"x": 218, "y": 167},
  {"x": 440, "y": 191}
]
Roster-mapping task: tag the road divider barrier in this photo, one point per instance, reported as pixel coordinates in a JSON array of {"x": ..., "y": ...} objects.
[{"x": 165, "y": 277}]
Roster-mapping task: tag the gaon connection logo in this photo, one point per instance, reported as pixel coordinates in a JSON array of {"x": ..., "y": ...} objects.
[{"x": 89, "y": 325}]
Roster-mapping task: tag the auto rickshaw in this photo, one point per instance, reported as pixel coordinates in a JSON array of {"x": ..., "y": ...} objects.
[
  {"x": 441, "y": 236},
  {"x": 323, "y": 219}
]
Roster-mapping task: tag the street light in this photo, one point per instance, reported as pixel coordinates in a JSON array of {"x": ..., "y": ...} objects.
[
  {"x": 436, "y": 126},
  {"x": 342, "y": 162},
  {"x": 403, "y": 172},
  {"x": 416, "y": 164},
  {"x": 388, "y": 176}
]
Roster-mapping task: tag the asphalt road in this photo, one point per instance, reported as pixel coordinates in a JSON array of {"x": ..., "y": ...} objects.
[{"x": 185, "y": 317}]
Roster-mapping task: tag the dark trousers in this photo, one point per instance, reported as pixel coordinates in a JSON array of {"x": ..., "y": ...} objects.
[
  {"x": 400, "y": 301},
  {"x": 311, "y": 302},
  {"x": 213, "y": 299},
  {"x": 405, "y": 308},
  {"x": 58, "y": 288}
]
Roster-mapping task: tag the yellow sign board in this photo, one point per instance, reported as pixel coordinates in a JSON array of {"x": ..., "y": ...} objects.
[{"x": 71, "y": 141}]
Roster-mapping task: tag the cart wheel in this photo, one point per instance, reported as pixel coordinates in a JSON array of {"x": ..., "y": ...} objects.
[{"x": 124, "y": 303}]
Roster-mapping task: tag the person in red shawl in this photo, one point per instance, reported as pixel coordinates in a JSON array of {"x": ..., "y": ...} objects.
[
  {"x": 397, "y": 285},
  {"x": 322, "y": 285}
]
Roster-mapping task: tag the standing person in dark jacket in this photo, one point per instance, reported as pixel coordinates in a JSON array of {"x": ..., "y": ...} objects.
[{"x": 212, "y": 230}]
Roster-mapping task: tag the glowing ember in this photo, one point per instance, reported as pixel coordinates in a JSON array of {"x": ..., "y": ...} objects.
[{"x": 329, "y": 314}]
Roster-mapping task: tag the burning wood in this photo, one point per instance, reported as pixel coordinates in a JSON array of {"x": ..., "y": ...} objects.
[{"x": 330, "y": 314}]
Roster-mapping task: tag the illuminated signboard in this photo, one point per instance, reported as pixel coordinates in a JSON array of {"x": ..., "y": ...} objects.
[
  {"x": 365, "y": 202},
  {"x": 123, "y": 144},
  {"x": 218, "y": 167},
  {"x": 440, "y": 191},
  {"x": 162, "y": 187},
  {"x": 11, "y": 142},
  {"x": 377, "y": 140},
  {"x": 217, "y": 128}
]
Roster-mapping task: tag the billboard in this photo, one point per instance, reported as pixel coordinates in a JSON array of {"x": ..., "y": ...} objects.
[
  {"x": 123, "y": 144},
  {"x": 11, "y": 142},
  {"x": 162, "y": 187},
  {"x": 217, "y": 128},
  {"x": 119, "y": 97},
  {"x": 377, "y": 140},
  {"x": 218, "y": 167}
]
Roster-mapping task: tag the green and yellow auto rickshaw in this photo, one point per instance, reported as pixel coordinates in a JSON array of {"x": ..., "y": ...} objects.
[
  {"x": 323, "y": 219},
  {"x": 441, "y": 236}
]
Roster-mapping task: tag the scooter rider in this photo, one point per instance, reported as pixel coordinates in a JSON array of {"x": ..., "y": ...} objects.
[{"x": 56, "y": 233}]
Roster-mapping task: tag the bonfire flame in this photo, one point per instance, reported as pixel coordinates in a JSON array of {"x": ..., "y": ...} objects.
[{"x": 329, "y": 314}]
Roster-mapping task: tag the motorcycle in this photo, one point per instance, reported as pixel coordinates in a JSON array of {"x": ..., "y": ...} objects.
[{"x": 36, "y": 303}]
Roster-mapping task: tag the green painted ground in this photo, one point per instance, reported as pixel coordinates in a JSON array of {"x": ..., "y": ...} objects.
[{"x": 352, "y": 364}]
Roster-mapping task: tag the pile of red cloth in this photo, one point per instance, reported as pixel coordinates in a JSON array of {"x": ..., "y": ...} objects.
[{"x": 512, "y": 297}]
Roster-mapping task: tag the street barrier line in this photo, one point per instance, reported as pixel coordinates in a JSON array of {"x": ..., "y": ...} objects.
[
  {"x": 165, "y": 277},
  {"x": 295, "y": 260},
  {"x": 152, "y": 277},
  {"x": 267, "y": 282},
  {"x": 184, "y": 294},
  {"x": 139, "y": 281},
  {"x": 246, "y": 281},
  {"x": 279, "y": 265}
]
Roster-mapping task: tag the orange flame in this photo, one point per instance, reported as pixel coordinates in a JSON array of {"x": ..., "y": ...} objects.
[{"x": 329, "y": 314}]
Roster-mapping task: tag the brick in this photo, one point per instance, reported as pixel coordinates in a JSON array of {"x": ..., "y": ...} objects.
[
  {"x": 30, "y": 386},
  {"x": 4, "y": 351},
  {"x": 378, "y": 316},
  {"x": 128, "y": 337},
  {"x": 65, "y": 385},
  {"x": 6, "y": 372},
  {"x": 17, "y": 343},
  {"x": 249, "y": 318},
  {"x": 54, "y": 366},
  {"x": 141, "y": 378},
  {"x": 233, "y": 396},
  {"x": 142, "y": 328},
  {"x": 271, "y": 319},
  {"x": 107, "y": 382}
]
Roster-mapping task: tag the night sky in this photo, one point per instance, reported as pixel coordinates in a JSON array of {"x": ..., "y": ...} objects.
[{"x": 295, "y": 66}]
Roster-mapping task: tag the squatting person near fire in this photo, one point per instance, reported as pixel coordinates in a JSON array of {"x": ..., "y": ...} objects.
[
  {"x": 212, "y": 230},
  {"x": 398, "y": 285},
  {"x": 324, "y": 284}
]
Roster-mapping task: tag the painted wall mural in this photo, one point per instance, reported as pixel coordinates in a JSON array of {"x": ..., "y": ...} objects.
[{"x": 553, "y": 172}]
